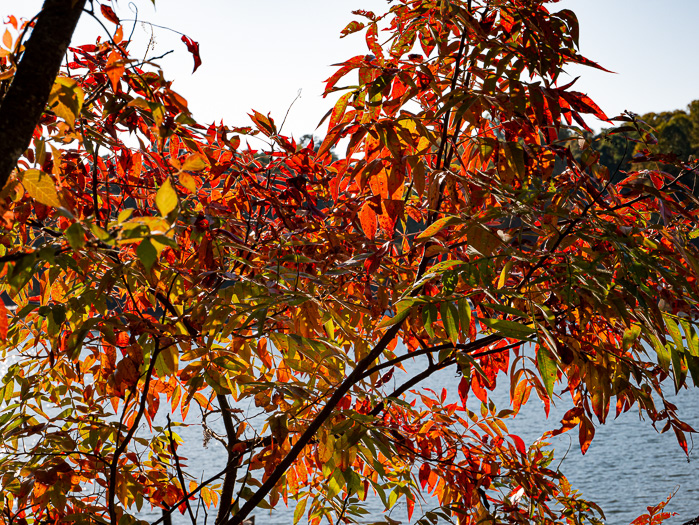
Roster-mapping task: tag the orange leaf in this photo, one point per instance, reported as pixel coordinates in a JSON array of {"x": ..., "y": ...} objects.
[
  {"x": 339, "y": 110},
  {"x": 7, "y": 39},
  {"x": 521, "y": 395},
  {"x": 587, "y": 432},
  {"x": 367, "y": 217},
  {"x": 115, "y": 69},
  {"x": 118, "y": 35}
]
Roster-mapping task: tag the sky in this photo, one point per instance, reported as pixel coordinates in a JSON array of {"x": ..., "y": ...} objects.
[{"x": 259, "y": 54}]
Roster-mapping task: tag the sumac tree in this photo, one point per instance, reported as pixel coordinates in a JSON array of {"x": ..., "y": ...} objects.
[{"x": 156, "y": 266}]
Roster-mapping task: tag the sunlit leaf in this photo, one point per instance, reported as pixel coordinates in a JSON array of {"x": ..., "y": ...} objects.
[
  {"x": 66, "y": 99},
  {"x": 548, "y": 369},
  {"x": 166, "y": 198},
  {"x": 41, "y": 187}
]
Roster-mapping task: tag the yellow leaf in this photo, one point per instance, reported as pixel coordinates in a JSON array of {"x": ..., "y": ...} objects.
[
  {"x": 66, "y": 99},
  {"x": 505, "y": 274},
  {"x": 188, "y": 182},
  {"x": 166, "y": 198},
  {"x": 195, "y": 162},
  {"x": 41, "y": 187}
]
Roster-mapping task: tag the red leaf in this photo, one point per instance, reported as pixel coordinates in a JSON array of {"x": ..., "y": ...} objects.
[
  {"x": 264, "y": 124},
  {"x": 352, "y": 27},
  {"x": 519, "y": 443},
  {"x": 385, "y": 378},
  {"x": 345, "y": 68},
  {"x": 372, "y": 41},
  {"x": 584, "y": 104},
  {"x": 681, "y": 439},
  {"x": 3, "y": 321},
  {"x": 478, "y": 389},
  {"x": 587, "y": 62},
  {"x": 193, "y": 47},
  {"x": 464, "y": 387},
  {"x": 410, "y": 500},
  {"x": 335, "y": 187},
  {"x": 109, "y": 14},
  {"x": 424, "y": 474}
]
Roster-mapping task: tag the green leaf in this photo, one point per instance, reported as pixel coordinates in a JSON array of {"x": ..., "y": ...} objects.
[
  {"x": 438, "y": 226},
  {"x": 506, "y": 309},
  {"x": 465, "y": 315},
  {"x": 76, "y": 236},
  {"x": 101, "y": 233},
  {"x": 166, "y": 198},
  {"x": 444, "y": 266},
  {"x": 335, "y": 484},
  {"x": 679, "y": 367},
  {"x": 466, "y": 361},
  {"x": 429, "y": 316},
  {"x": 693, "y": 365},
  {"x": 546, "y": 364},
  {"x": 663, "y": 352},
  {"x": 147, "y": 253},
  {"x": 402, "y": 311},
  {"x": 509, "y": 328},
  {"x": 450, "y": 321},
  {"x": 167, "y": 361},
  {"x": 450, "y": 280},
  {"x": 41, "y": 187},
  {"x": 630, "y": 336},
  {"x": 299, "y": 510},
  {"x": 692, "y": 339},
  {"x": 674, "y": 331}
]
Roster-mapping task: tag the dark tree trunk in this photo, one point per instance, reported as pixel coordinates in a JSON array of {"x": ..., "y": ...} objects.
[{"x": 26, "y": 98}]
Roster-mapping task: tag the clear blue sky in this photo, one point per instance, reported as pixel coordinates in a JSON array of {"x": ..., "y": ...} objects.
[{"x": 258, "y": 54}]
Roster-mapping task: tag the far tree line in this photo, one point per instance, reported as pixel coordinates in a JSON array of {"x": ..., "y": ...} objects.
[{"x": 674, "y": 131}]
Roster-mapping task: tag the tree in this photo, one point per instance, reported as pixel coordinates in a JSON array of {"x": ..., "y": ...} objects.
[
  {"x": 158, "y": 265},
  {"x": 31, "y": 84},
  {"x": 673, "y": 132}
]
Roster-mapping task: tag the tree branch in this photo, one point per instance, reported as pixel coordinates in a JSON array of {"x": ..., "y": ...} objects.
[
  {"x": 26, "y": 98},
  {"x": 111, "y": 490},
  {"x": 229, "y": 480},
  {"x": 178, "y": 468}
]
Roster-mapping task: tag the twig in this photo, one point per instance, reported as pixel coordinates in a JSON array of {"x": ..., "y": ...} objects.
[{"x": 178, "y": 467}]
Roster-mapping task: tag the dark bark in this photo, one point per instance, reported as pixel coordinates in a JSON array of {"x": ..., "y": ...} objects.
[
  {"x": 229, "y": 480},
  {"x": 26, "y": 98}
]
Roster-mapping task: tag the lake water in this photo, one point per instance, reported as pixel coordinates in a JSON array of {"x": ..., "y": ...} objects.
[{"x": 628, "y": 467}]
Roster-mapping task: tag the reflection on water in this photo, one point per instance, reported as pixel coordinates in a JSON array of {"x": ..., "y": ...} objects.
[{"x": 628, "y": 466}]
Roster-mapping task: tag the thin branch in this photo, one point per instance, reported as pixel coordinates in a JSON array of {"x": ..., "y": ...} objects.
[
  {"x": 178, "y": 467},
  {"x": 468, "y": 347},
  {"x": 111, "y": 491},
  {"x": 167, "y": 512}
]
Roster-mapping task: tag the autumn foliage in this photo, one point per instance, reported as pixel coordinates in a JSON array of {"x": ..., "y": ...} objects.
[{"x": 157, "y": 267}]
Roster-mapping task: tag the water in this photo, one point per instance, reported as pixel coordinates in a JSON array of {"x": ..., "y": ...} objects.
[{"x": 628, "y": 467}]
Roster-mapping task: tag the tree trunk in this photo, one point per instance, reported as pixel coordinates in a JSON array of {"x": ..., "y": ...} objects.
[{"x": 26, "y": 98}]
